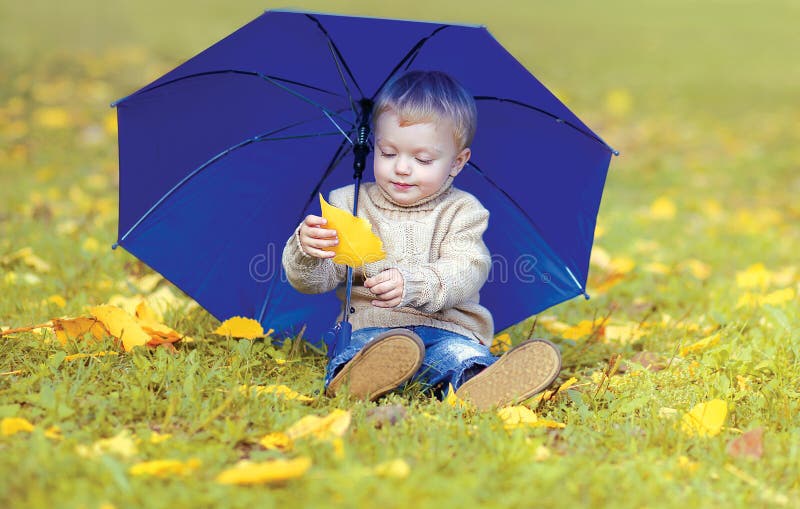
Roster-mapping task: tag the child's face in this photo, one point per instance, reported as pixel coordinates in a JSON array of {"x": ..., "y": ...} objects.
[{"x": 412, "y": 162}]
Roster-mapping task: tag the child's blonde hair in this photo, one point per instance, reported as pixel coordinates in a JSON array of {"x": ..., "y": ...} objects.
[{"x": 426, "y": 96}]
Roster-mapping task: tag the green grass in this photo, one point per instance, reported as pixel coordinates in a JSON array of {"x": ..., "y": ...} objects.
[{"x": 712, "y": 127}]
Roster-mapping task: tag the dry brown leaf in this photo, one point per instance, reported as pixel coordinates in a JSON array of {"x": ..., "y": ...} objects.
[{"x": 748, "y": 445}]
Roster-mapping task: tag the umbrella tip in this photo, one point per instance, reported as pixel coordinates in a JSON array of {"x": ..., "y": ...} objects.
[
  {"x": 115, "y": 245},
  {"x": 586, "y": 296}
]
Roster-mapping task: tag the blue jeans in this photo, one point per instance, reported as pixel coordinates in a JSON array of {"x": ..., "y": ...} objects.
[{"x": 450, "y": 358}]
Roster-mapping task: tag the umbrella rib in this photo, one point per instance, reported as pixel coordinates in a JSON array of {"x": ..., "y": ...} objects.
[
  {"x": 410, "y": 56},
  {"x": 184, "y": 180},
  {"x": 525, "y": 214},
  {"x": 338, "y": 156},
  {"x": 334, "y": 48},
  {"x": 554, "y": 117},
  {"x": 274, "y": 80}
]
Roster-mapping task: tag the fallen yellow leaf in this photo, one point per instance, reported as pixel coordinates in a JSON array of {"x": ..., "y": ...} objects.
[
  {"x": 698, "y": 269},
  {"x": 165, "y": 468},
  {"x": 67, "y": 329},
  {"x": 77, "y": 356},
  {"x": 663, "y": 209},
  {"x": 121, "y": 325},
  {"x": 453, "y": 400},
  {"x": 157, "y": 438},
  {"x": 684, "y": 463},
  {"x": 122, "y": 444},
  {"x": 146, "y": 313},
  {"x": 501, "y": 344},
  {"x": 12, "y": 425},
  {"x": 240, "y": 327},
  {"x": 619, "y": 102},
  {"x": 755, "y": 276},
  {"x": 53, "y": 433},
  {"x": 357, "y": 246},
  {"x": 701, "y": 345},
  {"x": 519, "y": 416},
  {"x": 57, "y": 300},
  {"x": 625, "y": 333},
  {"x": 276, "y": 441},
  {"x": 248, "y": 472},
  {"x": 323, "y": 428},
  {"x": 705, "y": 419},
  {"x": 395, "y": 469},
  {"x": 279, "y": 390}
]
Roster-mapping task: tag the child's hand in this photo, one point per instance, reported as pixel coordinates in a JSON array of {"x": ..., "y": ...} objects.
[
  {"x": 387, "y": 287},
  {"x": 314, "y": 238}
]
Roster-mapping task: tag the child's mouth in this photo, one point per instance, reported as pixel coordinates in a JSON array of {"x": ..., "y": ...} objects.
[{"x": 401, "y": 186}]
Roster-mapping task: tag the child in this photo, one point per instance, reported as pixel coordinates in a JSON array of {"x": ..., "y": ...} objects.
[{"x": 417, "y": 312}]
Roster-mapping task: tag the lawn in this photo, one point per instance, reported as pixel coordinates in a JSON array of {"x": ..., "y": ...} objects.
[{"x": 680, "y": 381}]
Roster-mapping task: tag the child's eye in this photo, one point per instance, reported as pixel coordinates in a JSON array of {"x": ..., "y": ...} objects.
[
  {"x": 386, "y": 154},
  {"x": 424, "y": 161}
]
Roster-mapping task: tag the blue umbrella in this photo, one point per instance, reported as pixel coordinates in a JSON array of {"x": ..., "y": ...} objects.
[{"x": 222, "y": 157}]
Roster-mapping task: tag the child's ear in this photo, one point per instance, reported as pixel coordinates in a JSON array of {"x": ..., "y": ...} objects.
[{"x": 459, "y": 162}]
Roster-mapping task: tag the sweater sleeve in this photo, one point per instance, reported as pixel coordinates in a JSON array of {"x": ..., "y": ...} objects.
[
  {"x": 461, "y": 270},
  {"x": 306, "y": 273}
]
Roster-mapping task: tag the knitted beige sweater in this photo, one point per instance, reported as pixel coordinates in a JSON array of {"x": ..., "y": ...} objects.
[{"x": 437, "y": 246}]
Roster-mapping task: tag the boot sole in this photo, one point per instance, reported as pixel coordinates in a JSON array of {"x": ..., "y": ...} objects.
[
  {"x": 522, "y": 372},
  {"x": 385, "y": 363}
]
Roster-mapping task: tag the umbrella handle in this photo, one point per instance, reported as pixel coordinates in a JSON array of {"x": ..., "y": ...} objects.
[
  {"x": 337, "y": 339},
  {"x": 360, "y": 151}
]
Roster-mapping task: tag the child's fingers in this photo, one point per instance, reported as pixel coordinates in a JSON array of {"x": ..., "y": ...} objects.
[
  {"x": 318, "y": 243},
  {"x": 318, "y": 253},
  {"x": 383, "y": 288},
  {"x": 392, "y": 294},
  {"x": 312, "y": 220},
  {"x": 377, "y": 279},
  {"x": 316, "y": 232}
]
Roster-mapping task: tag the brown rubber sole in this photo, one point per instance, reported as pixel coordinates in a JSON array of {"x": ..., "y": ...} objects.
[
  {"x": 384, "y": 363},
  {"x": 522, "y": 372}
]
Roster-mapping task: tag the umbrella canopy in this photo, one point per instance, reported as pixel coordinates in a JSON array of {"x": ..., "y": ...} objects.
[{"x": 222, "y": 157}]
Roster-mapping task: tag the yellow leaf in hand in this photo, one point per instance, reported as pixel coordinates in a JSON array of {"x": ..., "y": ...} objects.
[
  {"x": 240, "y": 327},
  {"x": 705, "y": 419},
  {"x": 357, "y": 246},
  {"x": 248, "y": 472}
]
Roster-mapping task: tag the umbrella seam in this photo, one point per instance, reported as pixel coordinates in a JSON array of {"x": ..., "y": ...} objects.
[
  {"x": 411, "y": 54},
  {"x": 212, "y": 160},
  {"x": 337, "y": 158},
  {"x": 558, "y": 119},
  {"x": 336, "y": 49},
  {"x": 269, "y": 79},
  {"x": 555, "y": 255}
]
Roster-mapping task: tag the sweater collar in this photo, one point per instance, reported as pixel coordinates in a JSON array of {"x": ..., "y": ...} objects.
[{"x": 383, "y": 200}]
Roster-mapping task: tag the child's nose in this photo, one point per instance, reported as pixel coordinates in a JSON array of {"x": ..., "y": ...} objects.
[{"x": 402, "y": 167}]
